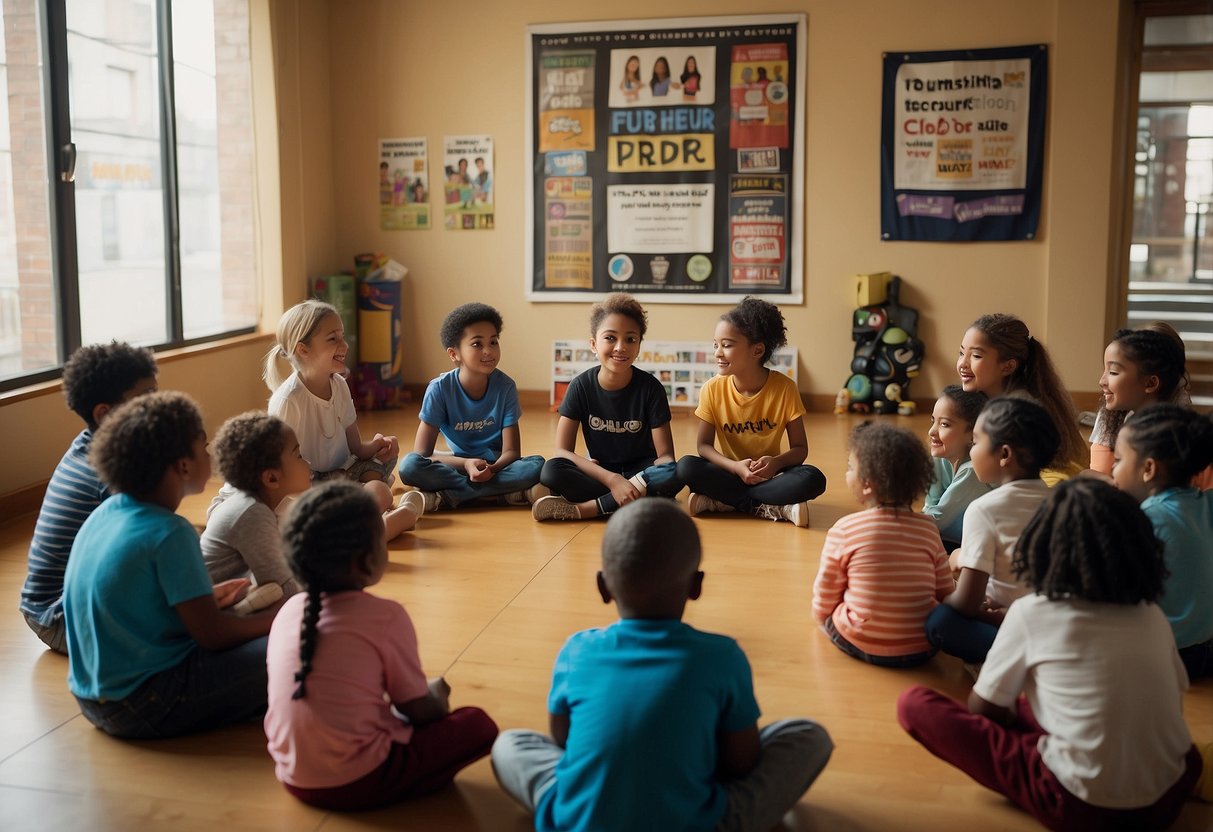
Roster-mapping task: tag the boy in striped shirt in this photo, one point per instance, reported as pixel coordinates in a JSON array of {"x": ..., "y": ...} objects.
[
  {"x": 882, "y": 569},
  {"x": 96, "y": 379}
]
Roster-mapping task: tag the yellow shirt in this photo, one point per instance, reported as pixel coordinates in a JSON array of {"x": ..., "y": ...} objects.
[{"x": 749, "y": 427}]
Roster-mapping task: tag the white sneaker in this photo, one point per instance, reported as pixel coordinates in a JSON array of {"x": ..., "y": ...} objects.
[
  {"x": 258, "y": 598},
  {"x": 430, "y": 501},
  {"x": 554, "y": 508},
  {"x": 702, "y": 504},
  {"x": 528, "y": 496},
  {"x": 796, "y": 513},
  {"x": 415, "y": 501}
]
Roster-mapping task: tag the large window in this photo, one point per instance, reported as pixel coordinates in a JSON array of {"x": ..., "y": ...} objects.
[{"x": 126, "y": 177}]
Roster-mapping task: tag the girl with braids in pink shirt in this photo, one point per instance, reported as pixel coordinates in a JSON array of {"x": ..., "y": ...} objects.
[{"x": 344, "y": 663}]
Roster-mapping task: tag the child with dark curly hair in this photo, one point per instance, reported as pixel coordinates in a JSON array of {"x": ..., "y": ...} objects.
[
  {"x": 624, "y": 416},
  {"x": 258, "y": 455},
  {"x": 96, "y": 379},
  {"x": 150, "y": 651},
  {"x": 1077, "y": 714},
  {"x": 475, "y": 408},
  {"x": 954, "y": 484},
  {"x": 1013, "y": 440},
  {"x": 749, "y": 408},
  {"x": 352, "y": 721},
  {"x": 882, "y": 569},
  {"x": 1157, "y": 454}
]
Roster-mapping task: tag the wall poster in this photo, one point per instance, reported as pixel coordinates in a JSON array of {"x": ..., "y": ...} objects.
[
  {"x": 404, "y": 200},
  {"x": 962, "y": 144},
  {"x": 467, "y": 176},
  {"x": 667, "y": 159}
]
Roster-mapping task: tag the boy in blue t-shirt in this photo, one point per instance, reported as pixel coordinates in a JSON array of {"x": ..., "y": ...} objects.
[
  {"x": 654, "y": 723},
  {"x": 475, "y": 408},
  {"x": 96, "y": 379},
  {"x": 150, "y": 652}
]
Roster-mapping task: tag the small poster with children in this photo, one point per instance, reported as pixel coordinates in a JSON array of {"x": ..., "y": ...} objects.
[
  {"x": 468, "y": 182},
  {"x": 758, "y": 96},
  {"x": 404, "y": 199}
]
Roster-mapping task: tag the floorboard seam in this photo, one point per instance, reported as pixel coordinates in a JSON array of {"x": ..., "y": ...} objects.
[{"x": 38, "y": 738}]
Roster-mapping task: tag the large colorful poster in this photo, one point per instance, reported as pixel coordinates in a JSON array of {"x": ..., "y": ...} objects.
[
  {"x": 667, "y": 159},
  {"x": 468, "y": 182},
  {"x": 404, "y": 200},
  {"x": 962, "y": 144}
]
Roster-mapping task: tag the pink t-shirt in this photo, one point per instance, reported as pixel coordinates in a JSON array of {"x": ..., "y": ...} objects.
[{"x": 365, "y": 660}]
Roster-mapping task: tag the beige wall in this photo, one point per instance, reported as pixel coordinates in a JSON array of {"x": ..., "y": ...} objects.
[{"x": 431, "y": 69}]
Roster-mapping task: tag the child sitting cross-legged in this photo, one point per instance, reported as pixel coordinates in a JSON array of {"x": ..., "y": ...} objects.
[
  {"x": 259, "y": 457},
  {"x": 1077, "y": 715},
  {"x": 654, "y": 723},
  {"x": 150, "y": 651},
  {"x": 882, "y": 569},
  {"x": 352, "y": 721},
  {"x": 475, "y": 408}
]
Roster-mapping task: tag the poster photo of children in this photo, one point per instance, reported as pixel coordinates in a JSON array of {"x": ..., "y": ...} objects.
[
  {"x": 662, "y": 76},
  {"x": 404, "y": 202},
  {"x": 468, "y": 182}
]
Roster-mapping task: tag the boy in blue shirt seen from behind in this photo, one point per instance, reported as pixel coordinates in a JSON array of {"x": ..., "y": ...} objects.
[
  {"x": 475, "y": 408},
  {"x": 654, "y": 723},
  {"x": 96, "y": 379}
]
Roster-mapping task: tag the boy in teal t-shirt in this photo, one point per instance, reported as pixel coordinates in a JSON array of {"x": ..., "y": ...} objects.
[{"x": 654, "y": 723}]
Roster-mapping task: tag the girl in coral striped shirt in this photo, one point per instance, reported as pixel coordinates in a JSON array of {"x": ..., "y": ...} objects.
[{"x": 882, "y": 569}]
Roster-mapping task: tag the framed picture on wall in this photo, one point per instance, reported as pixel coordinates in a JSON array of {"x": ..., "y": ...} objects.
[{"x": 666, "y": 159}]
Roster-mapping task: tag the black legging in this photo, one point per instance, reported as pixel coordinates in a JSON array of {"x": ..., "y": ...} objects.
[{"x": 791, "y": 485}]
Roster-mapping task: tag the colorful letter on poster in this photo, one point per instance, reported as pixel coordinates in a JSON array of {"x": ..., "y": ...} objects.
[
  {"x": 668, "y": 158},
  {"x": 404, "y": 198},
  {"x": 566, "y": 101},
  {"x": 758, "y": 219},
  {"x": 468, "y": 182},
  {"x": 962, "y": 144}
]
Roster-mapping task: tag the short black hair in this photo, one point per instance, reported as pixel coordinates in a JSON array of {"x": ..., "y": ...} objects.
[
  {"x": 760, "y": 322},
  {"x": 648, "y": 548},
  {"x": 461, "y": 317},
  {"x": 618, "y": 303},
  {"x": 143, "y": 438},
  {"x": 103, "y": 374},
  {"x": 1019, "y": 422},
  {"x": 969, "y": 403},
  {"x": 894, "y": 461},
  {"x": 247, "y": 445},
  {"x": 1178, "y": 439},
  {"x": 1091, "y": 541}
]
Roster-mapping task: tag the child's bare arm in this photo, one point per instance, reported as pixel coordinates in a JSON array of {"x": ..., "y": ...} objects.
[
  {"x": 663, "y": 443},
  {"x": 511, "y": 448},
  {"x": 739, "y": 752},
  {"x": 566, "y": 448},
  {"x": 798, "y": 449},
  {"x": 970, "y": 592},
  {"x": 558, "y": 724},
  {"x": 427, "y": 439},
  {"x": 995, "y": 713},
  {"x": 429, "y": 708},
  {"x": 380, "y": 447},
  {"x": 705, "y": 444},
  {"x": 215, "y": 629}
]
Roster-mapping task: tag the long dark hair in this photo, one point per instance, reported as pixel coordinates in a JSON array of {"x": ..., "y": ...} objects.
[
  {"x": 1157, "y": 350},
  {"x": 1178, "y": 439},
  {"x": 326, "y": 532}
]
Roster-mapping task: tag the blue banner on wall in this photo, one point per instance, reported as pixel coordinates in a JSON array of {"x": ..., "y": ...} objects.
[{"x": 962, "y": 144}]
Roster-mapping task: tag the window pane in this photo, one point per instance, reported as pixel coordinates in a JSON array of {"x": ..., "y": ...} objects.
[
  {"x": 114, "y": 90},
  {"x": 214, "y": 165},
  {"x": 1188, "y": 29},
  {"x": 28, "y": 313}
]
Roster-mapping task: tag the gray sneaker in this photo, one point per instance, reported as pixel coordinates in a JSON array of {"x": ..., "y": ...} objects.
[
  {"x": 554, "y": 508},
  {"x": 702, "y": 504},
  {"x": 433, "y": 501},
  {"x": 528, "y": 496},
  {"x": 796, "y": 513}
]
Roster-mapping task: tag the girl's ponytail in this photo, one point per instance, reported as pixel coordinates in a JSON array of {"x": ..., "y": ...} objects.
[{"x": 297, "y": 325}]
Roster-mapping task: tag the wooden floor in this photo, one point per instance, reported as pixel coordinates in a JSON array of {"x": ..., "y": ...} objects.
[{"x": 493, "y": 595}]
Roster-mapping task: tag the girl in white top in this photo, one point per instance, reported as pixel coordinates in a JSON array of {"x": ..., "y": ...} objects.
[
  {"x": 1013, "y": 440},
  {"x": 314, "y": 400},
  {"x": 1097, "y": 739}
]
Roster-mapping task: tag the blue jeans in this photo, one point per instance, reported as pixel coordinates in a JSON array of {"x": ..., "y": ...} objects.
[
  {"x": 912, "y": 660},
  {"x": 794, "y": 752},
  {"x": 567, "y": 480},
  {"x": 208, "y": 690},
  {"x": 968, "y": 639},
  {"x": 790, "y": 486},
  {"x": 455, "y": 487}
]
